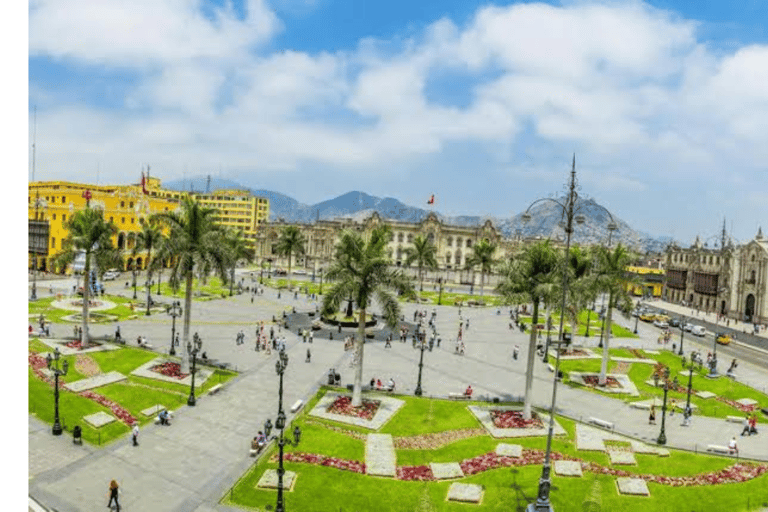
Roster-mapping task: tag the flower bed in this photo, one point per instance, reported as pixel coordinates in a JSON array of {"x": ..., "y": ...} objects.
[
  {"x": 411, "y": 473},
  {"x": 86, "y": 365},
  {"x": 169, "y": 369},
  {"x": 574, "y": 352},
  {"x": 343, "y": 405},
  {"x": 321, "y": 460},
  {"x": 436, "y": 440},
  {"x": 735, "y": 404},
  {"x": 514, "y": 419},
  {"x": 594, "y": 380},
  {"x": 736, "y": 473},
  {"x": 77, "y": 344},
  {"x": 116, "y": 409},
  {"x": 637, "y": 353}
]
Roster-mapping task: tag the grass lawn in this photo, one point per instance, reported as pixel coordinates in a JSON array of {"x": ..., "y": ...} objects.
[
  {"x": 617, "y": 330},
  {"x": 213, "y": 288},
  {"x": 53, "y": 314},
  {"x": 510, "y": 488}
]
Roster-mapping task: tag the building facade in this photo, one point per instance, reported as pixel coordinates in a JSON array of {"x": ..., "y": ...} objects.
[{"x": 237, "y": 209}]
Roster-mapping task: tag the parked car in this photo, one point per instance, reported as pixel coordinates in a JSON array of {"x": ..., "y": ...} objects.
[
  {"x": 111, "y": 275},
  {"x": 698, "y": 330},
  {"x": 674, "y": 322},
  {"x": 300, "y": 272},
  {"x": 647, "y": 317},
  {"x": 723, "y": 338},
  {"x": 661, "y": 324},
  {"x": 687, "y": 327}
]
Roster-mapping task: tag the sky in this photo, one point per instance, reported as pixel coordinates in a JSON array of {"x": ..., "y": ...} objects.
[{"x": 664, "y": 103}]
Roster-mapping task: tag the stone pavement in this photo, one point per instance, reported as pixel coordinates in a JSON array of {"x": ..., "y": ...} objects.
[{"x": 191, "y": 464}]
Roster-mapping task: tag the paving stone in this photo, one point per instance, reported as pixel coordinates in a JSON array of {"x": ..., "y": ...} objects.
[
  {"x": 591, "y": 439},
  {"x": 94, "y": 382},
  {"x": 567, "y": 467},
  {"x": 269, "y": 480},
  {"x": 652, "y": 352},
  {"x": 509, "y": 450},
  {"x": 640, "y": 447},
  {"x": 705, "y": 394},
  {"x": 634, "y": 486},
  {"x": 747, "y": 401},
  {"x": 662, "y": 452},
  {"x": 471, "y": 493},
  {"x": 380, "y": 457},
  {"x": 201, "y": 374},
  {"x": 622, "y": 457},
  {"x": 686, "y": 373},
  {"x": 151, "y": 411},
  {"x": 443, "y": 470},
  {"x": 99, "y": 419}
]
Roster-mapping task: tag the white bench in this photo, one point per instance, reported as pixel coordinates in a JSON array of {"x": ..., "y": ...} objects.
[
  {"x": 734, "y": 419},
  {"x": 601, "y": 423},
  {"x": 215, "y": 389},
  {"x": 459, "y": 396},
  {"x": 718, "y": 448},
  {"x": 297, "y": 405}
]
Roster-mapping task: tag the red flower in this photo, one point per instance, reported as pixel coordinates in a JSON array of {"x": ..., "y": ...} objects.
[
  {"x": 514, "y": 419},
  {"x": 169, "y": 369},
  {"x": 343, "y": 405}
]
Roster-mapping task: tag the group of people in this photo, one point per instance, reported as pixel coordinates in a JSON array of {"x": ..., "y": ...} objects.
[
  {"x": 750, "y": 425},
  {"x": 376, "y": 384}
]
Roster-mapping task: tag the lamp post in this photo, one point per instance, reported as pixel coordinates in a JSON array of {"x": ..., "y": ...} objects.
[
  {"x": 570, "y": 210},
  {"x": 320, "y": 271},
  {"x": 663, "y": 435},
  {"x": 688, "y": 399},
  {"x": 280, "y": 365},
  {"x": 682, "y": 333},
  {"x": 53, "y": 365},
  {"x": 589, "y": 311},
  {"x": 175, "y": 311},
  {"x": 193, "y": 348},
  {"x": 637, "y": 316},
  {"x": 133, "y": 269},
  {"x": 545, "y": 359},
  {"x": 440, "y": 293},
  {"x": 421, "y": 364},
  {"x": 602, "y": 323}
]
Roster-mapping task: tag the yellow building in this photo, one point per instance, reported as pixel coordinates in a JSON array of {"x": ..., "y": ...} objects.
[
  {"x": 651, "y": 281},
  {"x": 237, "y": 209}
]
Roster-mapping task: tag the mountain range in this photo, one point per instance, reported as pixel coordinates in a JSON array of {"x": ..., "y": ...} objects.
[{"x": 545, "y": 217}]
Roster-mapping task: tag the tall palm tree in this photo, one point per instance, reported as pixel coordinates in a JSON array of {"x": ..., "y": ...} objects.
[
  {"x": 530, "y": 277},
  {"x": 237, "y": 249},
  {"x": 290, "y": 243},
  {"x": 163, "y": 254},
  {"x": 423, "y": 253},
  {"x": 612, "y": 278},
  {"x": 482, "y": 256},
  {"x": 147, "y": 239},
  {"x": 581, "y": 284},
  {"x": 361, "y": 270},
  {"x": 90, "y": 234},
  {"x": 196, "y": 243}
]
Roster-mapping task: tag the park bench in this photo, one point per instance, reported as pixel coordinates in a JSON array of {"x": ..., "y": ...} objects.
[
  {"x": 215, "y": 389},
  {"x": 601, "y": 423},
  {"x": 734, "y": 419},
  {"x": 297, "y": 405},
  {"x": 459, "y": 396},
  {"x": 718, "y": 448}
]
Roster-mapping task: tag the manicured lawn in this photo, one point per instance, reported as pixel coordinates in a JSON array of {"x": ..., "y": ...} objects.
[
  {"x": 423, "y": 416},
  {"x": 214, "y": 288},
  {"x": 53, "y": 314},
  {"x": 510, "y": 488},
  {"x": 617, "y": 331}
]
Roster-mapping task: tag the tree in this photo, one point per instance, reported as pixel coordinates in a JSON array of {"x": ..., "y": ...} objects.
[
  {"x": 91, "y": 235},
  {"x": 361, "y": 270},
  {"x": 612, "y": 278},
  {"x": 162, "y": 254},
  {"x": 195, "y": 243},
  {"x": 530, "y": 277},
  {"x": 423, "y": 253},
  {"x": 149, "y": 238},
  {"x": 291, "y": 242},
  {"x": 482, "y": 256},
  {"x": 581, "y": 284},
  {"x": 237, "y": 249}
]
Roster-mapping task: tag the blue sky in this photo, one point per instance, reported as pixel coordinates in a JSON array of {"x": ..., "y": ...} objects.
[{"x": 482, "y": 104}]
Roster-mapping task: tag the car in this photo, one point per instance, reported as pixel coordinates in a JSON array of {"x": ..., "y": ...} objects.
[
  {"x": 300, "y": 272},
  {"x": 661, "y": 324},
  {"x": 687, "y": 327},
  {"x": 698, "y": 330},
  {"x": 111, "y": 275},
  {"x": 723, "y": 338},
  {"x": 647, "y": 317},
  {"x": 674, "y": 322}
]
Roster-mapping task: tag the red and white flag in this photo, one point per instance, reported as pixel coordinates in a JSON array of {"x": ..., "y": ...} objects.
[{"x": 431, "y": 199}]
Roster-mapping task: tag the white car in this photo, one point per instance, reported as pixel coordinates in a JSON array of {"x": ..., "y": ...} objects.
[
  {"x": 111, "y": 275},
  {"x": 300, "y": 272},
  {"x": 661, "y": 324},
  {"x": 698, "y": 330},
  {"x": 687, "y": 327}
]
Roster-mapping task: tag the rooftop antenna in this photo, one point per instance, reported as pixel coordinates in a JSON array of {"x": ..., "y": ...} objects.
[
  {"x": 34, "y": 138},
  {"x": 147, "y": 172}
]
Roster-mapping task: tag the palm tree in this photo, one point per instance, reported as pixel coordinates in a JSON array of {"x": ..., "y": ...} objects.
[
  {"x": 361, "y": 270},
  {"x": 581, "y": 285},
  {"x": 149, "y": 238},
  {"x": 482, "y": 256},
  {"x": 611, "y": 276},
  {"x": 291, "y": 242},
  {"x": 237, "y": 249},
  {"x": 163, "y": 254},
  {"x": 531, "y": 277},
  {"x": 423, "y": 253},
  {"x": 195, "y": 242},
  {"x": 90, "y": 234}
]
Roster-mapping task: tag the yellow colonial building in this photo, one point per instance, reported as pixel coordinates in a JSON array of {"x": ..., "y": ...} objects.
[{"x": 238, "y": 209}]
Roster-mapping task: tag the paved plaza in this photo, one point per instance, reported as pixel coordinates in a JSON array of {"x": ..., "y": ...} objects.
[{"x": 190, "y": 465}]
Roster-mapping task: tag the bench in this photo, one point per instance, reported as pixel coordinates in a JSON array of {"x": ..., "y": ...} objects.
[
  {"x": 215, "y": 389},
  {"x": 459, "y": 396},
  {"x": 718, "y": 448},
  {"x": 734, "y": 419},
  {"x": 601, "y": 423},
  {"x": 297, "y": 405}
]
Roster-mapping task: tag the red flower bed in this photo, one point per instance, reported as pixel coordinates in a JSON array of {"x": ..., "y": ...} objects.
[
  {"x": 593, "y": 380},
  {"x": 343, "y": 405},
  {"x": 37, "y": 363},
  {"x": 321, "y": 460},
  {"x": 420, "y": 473},
  {"x": 78, "y": 344},
  {"x": 734, "y": 403},
  {"x": 169, "y": 369},
  {"x": 118, "y": 411},
  {"x": 637, "y": 353},
  {"x": 514, "y": 419}
]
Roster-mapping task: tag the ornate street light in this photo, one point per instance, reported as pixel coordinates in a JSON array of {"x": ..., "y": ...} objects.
[
  {"x": 570, "y": 210},
  {"x": 193, "y": 347},
  {"x": 53, "y": 365},
  {"x": 320, "y": 271},
  {"x": 440, "y": 294},
  {"x": 687, "y": 411},
  {"x": 417, "y": 392},
  {"x": 682, "y": 332},
  {"x": 133, "y": 270},
  {"x": 637, "y": 317},
  {"x": 175, "y": 311},
  {"x": 663, "y": 435},
  {"x": 280, "y": 365}
]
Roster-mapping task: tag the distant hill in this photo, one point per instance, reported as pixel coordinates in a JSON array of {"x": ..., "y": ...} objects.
[{"x": 544, "y": 222}]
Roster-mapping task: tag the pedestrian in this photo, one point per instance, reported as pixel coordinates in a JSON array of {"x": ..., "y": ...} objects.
[
  {"x": 733, "y": 447},
  {"x": 387, "y": 343},
  {"x": 745, "y": 430},
  {"x": 309, "y": 355},
  {"x": 515, "y": 352},
  {"x": 652, "y": 415},
  {"x": 135, "y": 433},
  {"x": 311, "y": 336},
  {"x": 687, "y": 417},
  {"x": 113, "y": 492}
]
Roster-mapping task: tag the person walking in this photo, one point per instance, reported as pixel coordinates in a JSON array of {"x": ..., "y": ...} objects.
[
  {"x": 135, "y": 433},
  {"x": 309, "y": 356},
  {"x": 733, "y": 447},
  {"x": 652, "y": 415},
  {"x": 113, "y": 492},
  {"x": 515, "y": 352}
]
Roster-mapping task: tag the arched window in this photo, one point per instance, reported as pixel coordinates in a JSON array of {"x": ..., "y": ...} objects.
[
  {"x": 449, "y": 242},
  {"x": 431, "y": 237},
  {"x": 469, "y": 243},
  {"x": 448, "y": 258},
  {"x": 458, "y": 241},
  {"x": 410, "y": 238},
  {"x": 399, "y": 237}
]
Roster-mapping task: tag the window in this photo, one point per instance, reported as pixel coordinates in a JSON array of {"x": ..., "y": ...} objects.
[
  {"x": 63, "y": 217},
  {"x": 111, "y": 219},
  {"x": 410, "y": 238},
  {"x": 54, "y": 216},
  {"x": 122, "y": 204},
  {"x": 469, "y": 243},
  {"x": 399, "y": 237},
  {"x": 132, "y": 220},
  {"x": 122, "y": 220},
  {"x": 53, "y": 242},
  {"x": 63, "y": 199},
  {"x": 450, "y": 241},
  {"x": 131, "y": 205}
]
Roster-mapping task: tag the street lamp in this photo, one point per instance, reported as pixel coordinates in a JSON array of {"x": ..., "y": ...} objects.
[
  {"x": 175, "y": 311},
  {"x": 545, "y": 359},
  {"x": 53, "y": 365},
  {"x": 663, "y": 435},
  {"x": 133, "y": 269},
  {"x": 193, "y": 348},
  {"x": 280, "y": 365},
  {"x": 682, "y": 332},
  {"x": 589, "y": 314},
  {"x": 602, "y": 318},
  {"x": 421, "y": 364},
  {"x": 320, "y": 271},
  {"x": 570, "y": 214},
  {"x": 637, "y": 317},
  {"x": 440, "y": 294}
]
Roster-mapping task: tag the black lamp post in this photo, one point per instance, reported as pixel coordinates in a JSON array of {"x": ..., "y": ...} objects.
[
  {"x": 602, "y": 323},
  {"x": 663, "y": 435},
  {"x": 682, "y": 332},
  {"x": 280, "y": 365},
  {"x": 637, "y": 317},
  {"x": 175, "y": 311},
  {"x": 53, "y": 366},
  {"x": 417, "y": 392},
  {"x": 320, "y": 271},
  {"x": 688, "y": 399},
  {"x": 713, "y": 362},
  {"x": 569, "y": 209},
  {"x": 193, "y": 348},
  {"x": 133, "y": 269},
  {"x": 545, "y": 359}
]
